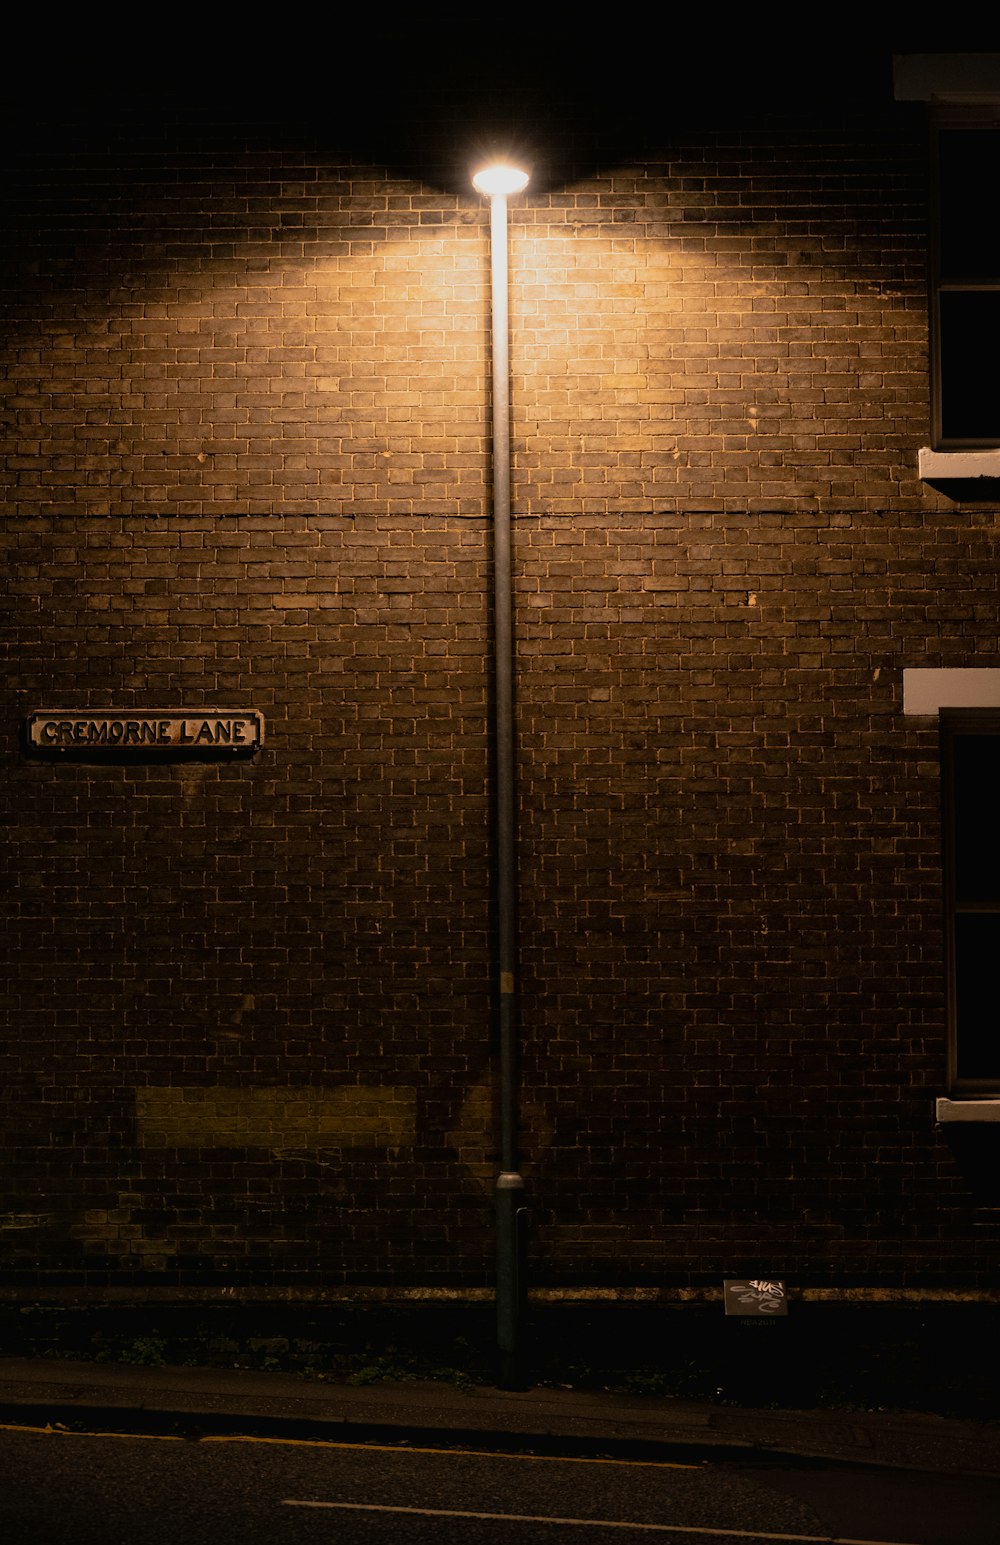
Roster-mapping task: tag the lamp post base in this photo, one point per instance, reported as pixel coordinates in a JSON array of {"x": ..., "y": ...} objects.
[{"x": 511, "y": 1232}]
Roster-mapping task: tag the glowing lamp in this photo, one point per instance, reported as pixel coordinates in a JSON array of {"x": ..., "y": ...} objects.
[{"x": 500, "y": 180}]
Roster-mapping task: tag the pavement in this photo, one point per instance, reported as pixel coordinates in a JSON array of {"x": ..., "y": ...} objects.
[{"x": 113, "y": 1396}]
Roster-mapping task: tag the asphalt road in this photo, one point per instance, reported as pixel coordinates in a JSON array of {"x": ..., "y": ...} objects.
[{"x": 107, "y": 1489}]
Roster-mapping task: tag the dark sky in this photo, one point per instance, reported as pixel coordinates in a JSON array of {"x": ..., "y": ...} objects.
[{"x": 415, "y": 93}]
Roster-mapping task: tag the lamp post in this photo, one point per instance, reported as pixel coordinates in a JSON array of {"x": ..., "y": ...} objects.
[{"x": 498, "y": 182}]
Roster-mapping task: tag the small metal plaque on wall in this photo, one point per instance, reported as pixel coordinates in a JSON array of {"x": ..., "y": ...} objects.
[
  {"x": 145, "y": 731},
  {"x": 756, "y": 1296}
]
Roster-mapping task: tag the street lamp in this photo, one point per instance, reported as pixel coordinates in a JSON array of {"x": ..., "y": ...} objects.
[{"x": 498, "y": 182}]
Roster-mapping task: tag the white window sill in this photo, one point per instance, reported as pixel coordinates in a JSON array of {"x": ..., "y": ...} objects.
[
  {"x": 934, "y": 466},
  {"x": 926, "y": 690},
  {"x": 968, "y": 1110}
]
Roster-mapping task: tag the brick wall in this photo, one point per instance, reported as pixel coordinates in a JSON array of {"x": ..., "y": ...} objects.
[
  {"x": 732, "y": 890},
  {"x": 312, "y": 919},
  {"x": 215, "y": 327},
  {"x": 248, "y": 1016}
]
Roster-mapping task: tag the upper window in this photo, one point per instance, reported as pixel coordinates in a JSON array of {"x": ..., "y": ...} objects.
[
  {"x": 965, "y": 299},
  {"x": 970, "y": 776}
]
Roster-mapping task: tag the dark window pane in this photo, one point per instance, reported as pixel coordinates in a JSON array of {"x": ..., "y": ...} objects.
[
  {"x": 977, "y": 817},
  {"x": 968, "y": 166},
  {"x": 977, "y": 949},
  {"x": 970, "y": 346}
]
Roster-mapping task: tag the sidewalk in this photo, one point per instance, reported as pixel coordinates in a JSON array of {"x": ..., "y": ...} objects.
[{"x": 40, "y": 1392}]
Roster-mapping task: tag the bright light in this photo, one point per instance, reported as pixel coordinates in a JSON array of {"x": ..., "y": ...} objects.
[{"x": 500, "y": 180}]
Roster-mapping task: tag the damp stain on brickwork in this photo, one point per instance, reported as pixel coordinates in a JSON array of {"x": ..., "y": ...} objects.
[{"x": 473, "y": 1137}]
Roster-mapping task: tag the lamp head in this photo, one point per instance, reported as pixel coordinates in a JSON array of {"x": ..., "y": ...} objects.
[{"x": 500, "y": 180}]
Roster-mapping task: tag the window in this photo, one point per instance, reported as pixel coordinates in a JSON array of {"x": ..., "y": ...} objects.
[
  {"x": 970, "y": 777},
  {"x": 965, "y": 296}
]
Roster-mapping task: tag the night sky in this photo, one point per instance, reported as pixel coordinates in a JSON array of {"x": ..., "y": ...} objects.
[{"x": 424, "y": 97}]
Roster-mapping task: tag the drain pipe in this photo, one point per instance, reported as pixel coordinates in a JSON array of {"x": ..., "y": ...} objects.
[{"x": 498, "y": 182}]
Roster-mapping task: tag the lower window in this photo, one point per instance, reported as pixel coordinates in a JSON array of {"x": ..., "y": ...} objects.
[{"x": 970, "y": 780}]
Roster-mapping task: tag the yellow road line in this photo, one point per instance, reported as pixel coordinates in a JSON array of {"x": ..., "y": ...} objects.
[
  {"x": 472, "y": 1453},
  {"x": 62, "y": 1431}
]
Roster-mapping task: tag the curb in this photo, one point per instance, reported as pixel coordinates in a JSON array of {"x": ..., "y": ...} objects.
[{"x": 195, "y": 1424}]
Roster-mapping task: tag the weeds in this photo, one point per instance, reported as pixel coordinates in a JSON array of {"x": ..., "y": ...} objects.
[{"x": 143, "y": 1352}]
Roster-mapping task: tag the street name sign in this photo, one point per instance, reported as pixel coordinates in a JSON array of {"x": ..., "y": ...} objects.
[{"x": 158, "y": 730}]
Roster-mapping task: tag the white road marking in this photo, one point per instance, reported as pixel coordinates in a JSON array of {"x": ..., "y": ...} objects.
[{"x": 591, "y": 1523}]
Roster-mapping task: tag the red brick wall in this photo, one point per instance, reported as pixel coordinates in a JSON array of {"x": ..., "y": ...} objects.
[
  {"x": 731, "y": 913},
  {"x": 246, "y": 438},
  {"x": 218, "y": 327},
  {"x": 315, "y": 915}
]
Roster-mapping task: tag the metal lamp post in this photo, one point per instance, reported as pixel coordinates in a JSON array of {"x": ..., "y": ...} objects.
[{"x": 498, "y": 182}]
